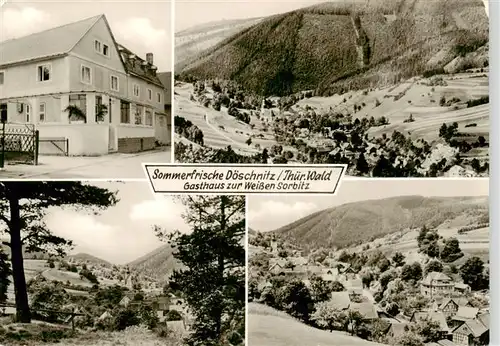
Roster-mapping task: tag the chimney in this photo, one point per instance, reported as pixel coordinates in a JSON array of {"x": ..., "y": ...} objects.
[{"x": 149, "y": 58}]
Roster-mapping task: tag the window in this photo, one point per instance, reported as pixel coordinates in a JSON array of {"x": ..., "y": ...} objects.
[
  {"x": 86, "y": 76},
  {"x": 44, "y": 72},
  {"x": 101, "y": 48},
  {"x": 99, "y": 111},
  {"x": 97, "y": 46},
  {"x": 149, "y": 117},
  {"x": 158, "y": 97},
  {"x": 28, "y": 113},
  {"x": 2, "y": 76},
  {"x": 114, "y": 83},
  {"x": 150, "y": 94},
  {"x": 138, "y": 114},
  {"x": 41, "y": 113},
  {"x": 124, "y": 112},
  {"x": 137, "y": 91},
  {"x": 80, "y": 101}
]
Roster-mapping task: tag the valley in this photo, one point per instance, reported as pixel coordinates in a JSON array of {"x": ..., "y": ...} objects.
[
  {"x": 380, "y": 271},
  {"x": 367, "y": 84}
]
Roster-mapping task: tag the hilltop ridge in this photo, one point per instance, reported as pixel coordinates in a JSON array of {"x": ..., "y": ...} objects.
[{"x": 342, "y": 45}]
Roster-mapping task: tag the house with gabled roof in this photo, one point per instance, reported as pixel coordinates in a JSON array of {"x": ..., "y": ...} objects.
[
  {"x": 473, "y": 332},
  {"x": 464, "y": 313},
  {"x": 450, "y": 306},
  {"x": 437, "y": 284},
  {"x": 435, "y": 316},
  {"x": 396, "y": 329},
  {"x": 277, "y": 266},
  {"x": 75, "y": 84}
]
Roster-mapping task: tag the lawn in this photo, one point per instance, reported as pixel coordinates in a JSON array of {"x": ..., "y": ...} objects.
[
  {"x": 38, "y": 333},
  {"x": 268, "y": 327}
]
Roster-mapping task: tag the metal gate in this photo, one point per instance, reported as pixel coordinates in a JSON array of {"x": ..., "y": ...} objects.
[{"x": 20, "y": 143}]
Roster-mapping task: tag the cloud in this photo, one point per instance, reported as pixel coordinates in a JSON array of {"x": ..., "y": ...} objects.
[
  {"x": 24, "y": 21},
  {"x": 162, "y": 211},
  {"x": 142, "y": 37},
  {"x": 141, "y": 30},
  {"x": 86, "y": 231},
  {"x": 272, "y": 214}
]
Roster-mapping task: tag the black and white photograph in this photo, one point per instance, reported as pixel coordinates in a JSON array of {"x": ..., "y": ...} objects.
[
  {"x": 393, "y": 88},
  {"x": 383, "y": 262},
  {"x": 85, "y": 88},
  {"x": 109, "y": 263}
]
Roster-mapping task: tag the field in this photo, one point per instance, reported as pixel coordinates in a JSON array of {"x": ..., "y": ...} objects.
[
  {"x": 472, "y": 243},
  {"x": 269, "y": 327},
  {"x": 220, "y": 129},
  {"x": 422, "y": 102},
  {"x": 32, "y": 268}
]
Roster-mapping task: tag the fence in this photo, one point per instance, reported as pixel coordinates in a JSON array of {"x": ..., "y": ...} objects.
[
  {"x": 20, "y": 143},
  {"x": 55, "y": 145},
  {"x": 71, "y": 314}
]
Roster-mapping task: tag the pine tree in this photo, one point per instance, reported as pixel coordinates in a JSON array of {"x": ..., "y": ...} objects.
[
  {"x": 213, "y": 255},
  {"x": 4, "y": 275},
  {"x": 361, "y": 164},
  {"x": 22, "y": 209}
]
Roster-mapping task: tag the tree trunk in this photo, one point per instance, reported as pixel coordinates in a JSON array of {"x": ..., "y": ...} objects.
[
  {"x": 23, "y": 314},
  {"x": 221, "y": 262}
]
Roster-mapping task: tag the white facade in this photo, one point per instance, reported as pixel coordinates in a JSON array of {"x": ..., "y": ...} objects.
[{"x": 92, "y": 73}]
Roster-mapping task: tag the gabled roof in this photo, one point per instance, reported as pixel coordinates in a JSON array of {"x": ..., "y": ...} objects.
[
  {"x": 476, "y": 328},
  {"x": 339, "y": 300},
  {"x": 433, "y": 316},
  {"x": 445, "y": 342},
  {"x": 367, "y": 309},
  {"x": 49, "y": 43},
  {"x": 59, "y": 41},
  {"x": 466, "y": 313},
  {"x": 137, "y": 68},
  {"x": 434, "y": 278},
  {"x": 460, "y": 301},
  {"x": 484, "y": 319}
]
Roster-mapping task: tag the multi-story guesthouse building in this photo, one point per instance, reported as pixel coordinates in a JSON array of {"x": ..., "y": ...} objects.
[{"x": 76, "y": 83}]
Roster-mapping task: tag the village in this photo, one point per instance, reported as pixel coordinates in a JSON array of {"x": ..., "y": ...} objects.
[
  {"x": 87, "y": 295},
  {"x": 379, "y": 132},
  {"x": 386, "y": 300}
]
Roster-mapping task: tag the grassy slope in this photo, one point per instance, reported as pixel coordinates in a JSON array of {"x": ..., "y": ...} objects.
[
  {"x": 268, "y": 327},
  {"x": 315, "y": 46},
  {"x": 191, "y": 42},
  {"x": 359, "y": 222}
]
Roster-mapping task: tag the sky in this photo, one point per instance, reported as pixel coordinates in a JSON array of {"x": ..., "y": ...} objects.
[
  {"x": 267, "y": 213},
  {"x": 142, "y": 27},
  {"x": 189, "y": 13},
  {"x": 122, "y": 233}
]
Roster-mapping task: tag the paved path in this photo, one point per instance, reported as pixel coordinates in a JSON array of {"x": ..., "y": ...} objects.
[{"x": 113, "y": 166}]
